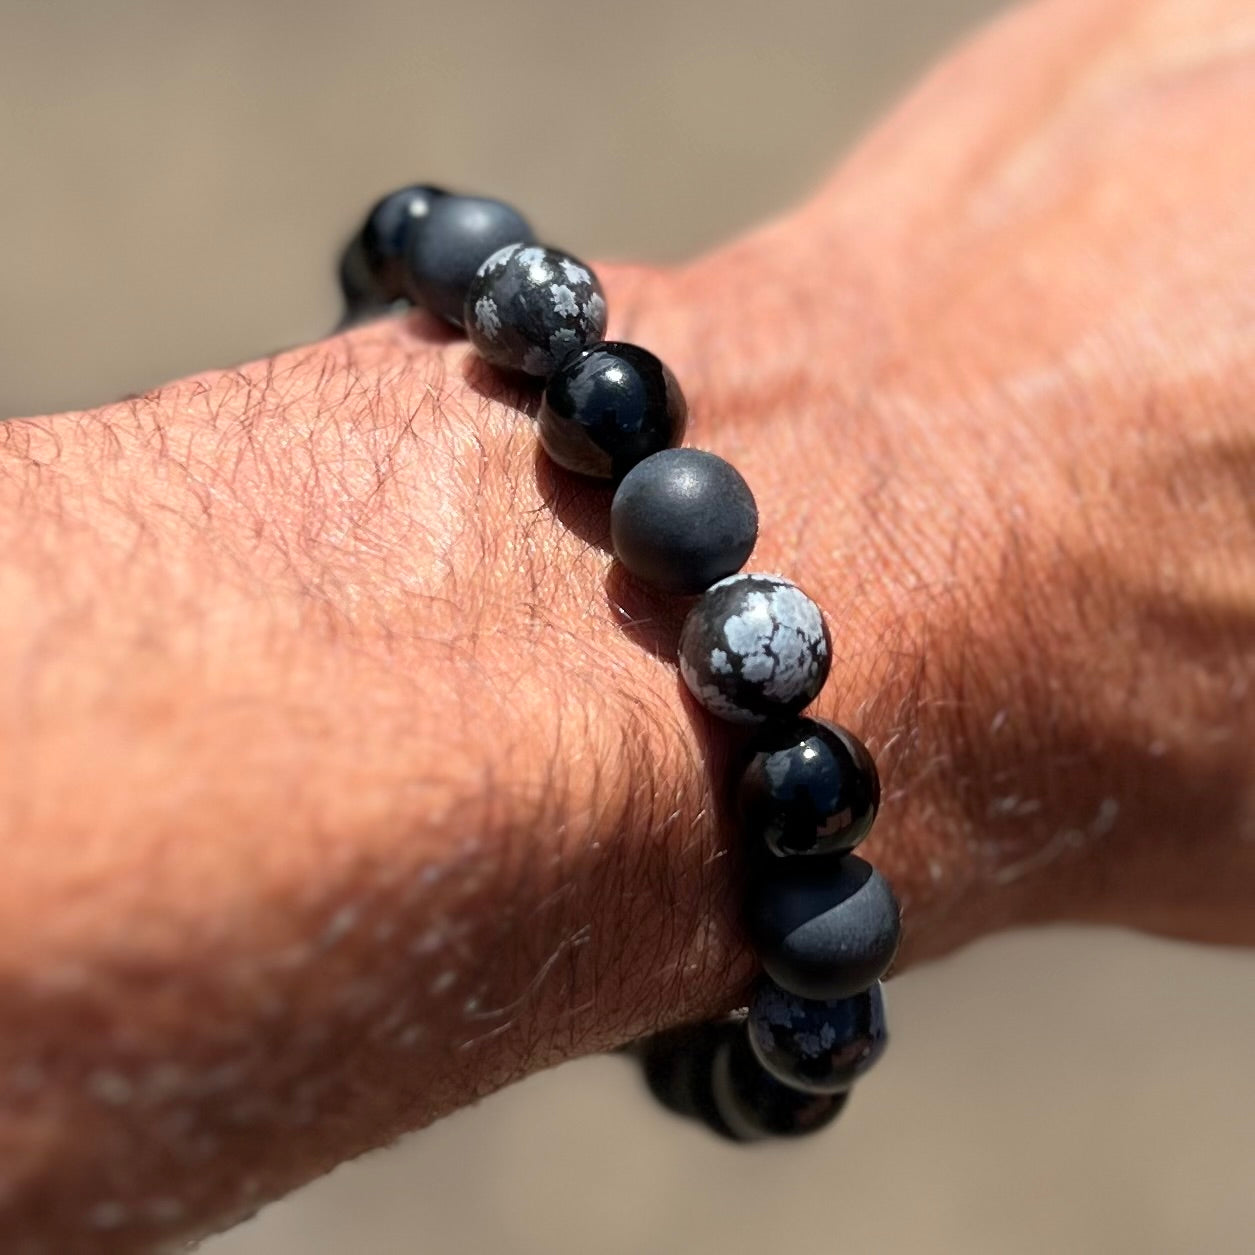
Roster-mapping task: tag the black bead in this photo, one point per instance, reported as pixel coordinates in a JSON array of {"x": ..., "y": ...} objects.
[
  {"x": 529, "y": 308},
  {"x": 683, "y": 519},
  {"x": 357, "y": 285},
  {"x": 372, "y": 269},
  {"x": 822, "y": 1047},
  {"x": 678, "y": 1068},
  {"x": 458, "y": 236},
  {"x": 754, "y": 647},
  {"x": 753, "y": 1104},
  {"x": 361, "y": 300},
  {"x": 822, "y": 927},
  {"x": 810, "y": 787},
  {"x": 610, "y": 407}
]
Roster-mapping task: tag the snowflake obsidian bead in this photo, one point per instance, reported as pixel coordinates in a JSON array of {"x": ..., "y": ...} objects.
[
  {"x": 752, "y": 1104},
  {"x": 529, "y": 308},
  {"x": 754, "y": 647},
  {"x": 810, "y": 787},
  {"x": 820, "y": 1047},
  {"x": 608, "y": 408}
]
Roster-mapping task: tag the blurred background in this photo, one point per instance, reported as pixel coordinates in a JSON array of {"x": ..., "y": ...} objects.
[{"x": 178, "y": 178}]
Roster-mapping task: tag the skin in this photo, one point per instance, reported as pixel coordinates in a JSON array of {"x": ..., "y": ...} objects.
[{"x": 346, "y": 780}]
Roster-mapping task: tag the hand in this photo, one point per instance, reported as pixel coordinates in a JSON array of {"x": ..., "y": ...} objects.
[{"x": 443, "y": 813}]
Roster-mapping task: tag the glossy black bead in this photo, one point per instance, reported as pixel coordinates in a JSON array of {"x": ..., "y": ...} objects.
[
  {"x": 388, "y": 233},
  {"x": 752, "y": 1104},
  {"x": 810, "y": 787},
  {"x": 529, "y": 308},
  {"x": 821, "y": 1047},
  {"x": 372, "y": 267},
  {"x": 754, "y": 647},
  {"x": 683, "y": 519},
  {"x": 608, "y": 408},
  {"x": 822, "y": 927},
  {"x": 458, "y": 236}
]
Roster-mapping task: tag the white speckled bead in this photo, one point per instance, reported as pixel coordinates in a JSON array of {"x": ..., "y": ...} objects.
[
  {"x": 529, "y": 308},
  {"x": 754, "y": 647},
  {"x": 817, "y": 1047},
  {"x": 752, "y": 1103}
]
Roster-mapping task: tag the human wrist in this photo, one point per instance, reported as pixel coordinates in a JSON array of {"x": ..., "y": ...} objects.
[{"x": 299, "y": 442}]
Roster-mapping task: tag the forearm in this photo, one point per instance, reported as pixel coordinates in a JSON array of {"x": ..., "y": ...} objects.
[
  {"x": 303, "y": 846},
  {"x": 312, "y": 837},
  {"x": 347, "y": 779},
  {"x": 327, "y": 818}
]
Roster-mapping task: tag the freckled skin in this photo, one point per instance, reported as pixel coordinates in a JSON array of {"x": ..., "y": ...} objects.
[{"x": 283, "y": 640}]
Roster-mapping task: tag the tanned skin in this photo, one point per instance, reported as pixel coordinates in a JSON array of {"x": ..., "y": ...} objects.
[{"x": 345, "y": 779}]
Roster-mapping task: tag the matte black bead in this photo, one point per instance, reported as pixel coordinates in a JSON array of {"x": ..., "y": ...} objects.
[
  {"x": 822, "y": 927},
  {"x": 810, "y": 787},
  {"x": 610, "y": 407},
  {"x": 357, "y": 284},
  {"x": 753, "y": 647},
  {"x": 458, "y": 235},
  {"x": 753, "y": 1104},
  {"x": 529, "y": 308},
  {"x": 823, "y": 1047},
  {"x": 683, "y": 519},
  {"x": 678, "y": 1068},
  {"x": 362, "y": 302}
]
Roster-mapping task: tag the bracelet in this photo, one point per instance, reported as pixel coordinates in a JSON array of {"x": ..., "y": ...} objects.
[{"x": 754, "y": 650}]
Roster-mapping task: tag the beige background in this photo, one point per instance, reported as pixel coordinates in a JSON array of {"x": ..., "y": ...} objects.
[{"x": 176, "y": 177}]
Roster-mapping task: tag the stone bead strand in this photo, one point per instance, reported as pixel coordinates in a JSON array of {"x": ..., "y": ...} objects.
[{"x": 755, "y": 650}]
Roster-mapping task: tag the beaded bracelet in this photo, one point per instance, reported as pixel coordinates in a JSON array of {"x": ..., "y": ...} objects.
[{"x": 754, "y": 650}]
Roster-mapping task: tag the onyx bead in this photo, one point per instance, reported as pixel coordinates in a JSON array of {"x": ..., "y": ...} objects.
[
  {"x": 821, "y": 1047},
  {"x": 752, "y": 1104},
  {"x": 529, "y": 308},
  {"x": 753, "y": 647},
  {"x": 822, "y": 927},
  {"x": 810, "y": 787},
  {"x": 386, "y": 235},
  {"x": 609, "y": 408},
  {"x": 683, "y": 519},
  {"x": 372, "y": 267},
  {"x": 457, "y": 236},
  {"x": 678, "y": 1067},
  {"x": 357, "y": 284}
]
